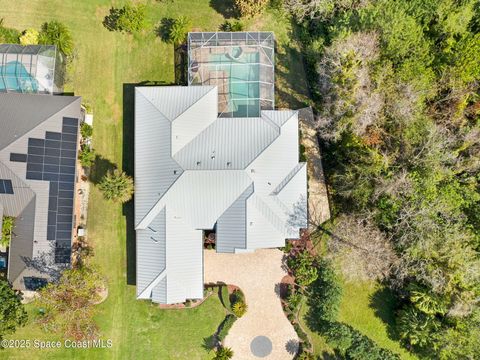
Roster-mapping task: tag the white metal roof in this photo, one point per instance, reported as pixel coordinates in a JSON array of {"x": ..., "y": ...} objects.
[{"x": 239, "y": 174}]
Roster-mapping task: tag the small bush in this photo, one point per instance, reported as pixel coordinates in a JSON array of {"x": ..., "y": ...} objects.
[
  {"x": 7, "y": 35},
  {"x": 237, "y": 295},
  {"x": 29, "y": 37},
  {"x": 223, "y": 353},
  {"x": 239, "y": 308},
  {"x": 339, "y": 336},
  {"x": 232, "y": 26},
  {"x": 225, "y": 327},
  {"x": 86, "y": 156},
  {"x": 86, "y": 130},
  {"x": 117, "y": 186},
  {"x": 129, "y": 18},
  {"x": 250, "y": 8}
]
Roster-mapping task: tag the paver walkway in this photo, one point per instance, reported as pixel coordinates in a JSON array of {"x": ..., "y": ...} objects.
[{"x": 258, "y": 274}]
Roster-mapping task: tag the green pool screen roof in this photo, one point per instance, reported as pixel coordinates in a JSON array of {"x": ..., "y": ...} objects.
[
  {"x": 27, "y": 69},
  {"x": 240, "y": 64}
]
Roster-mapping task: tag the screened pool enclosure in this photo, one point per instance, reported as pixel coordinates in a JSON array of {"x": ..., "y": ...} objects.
[
  {"x": 240, "y": 64},
  {"x": 27, "y": 69}
]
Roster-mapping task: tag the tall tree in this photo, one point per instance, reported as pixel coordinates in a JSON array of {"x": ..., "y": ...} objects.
[{"x": 12, "y": 313}]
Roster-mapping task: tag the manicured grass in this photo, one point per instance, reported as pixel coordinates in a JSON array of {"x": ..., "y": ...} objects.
[
  {"x": 369, "y": 308},
  {"x": 105, "y": 63}
]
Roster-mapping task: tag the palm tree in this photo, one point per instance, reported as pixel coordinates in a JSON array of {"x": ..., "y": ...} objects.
[
  {"x": 179, "y": 30},
  {"x": 223, "y": 353},
  {"x": 56, "y": 33},
  {"x": 117, "y": 186}
]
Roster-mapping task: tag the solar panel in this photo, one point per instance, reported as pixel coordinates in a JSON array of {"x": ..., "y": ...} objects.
[
  {"x": 52, "y": 144},
  {"x": 33, "y": 150},
  {"x": 53, "y": 159},
  {"x": 52, "y": 152},
  {"x": 6, "y": 186},
  {"x": 53, "y": 135},
  {"x": 35, "y": 159},
  {"x": 18, "y": 157}
]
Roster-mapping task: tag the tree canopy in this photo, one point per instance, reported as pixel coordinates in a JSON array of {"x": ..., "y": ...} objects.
[
  {"x": 398, "y": 109},
  {"x": 12, "y": 313}
]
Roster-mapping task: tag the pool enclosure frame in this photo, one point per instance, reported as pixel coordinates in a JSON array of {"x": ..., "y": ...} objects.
[
  {"x": 202, "y": 70},
  {"x": 38, "y": 61}
]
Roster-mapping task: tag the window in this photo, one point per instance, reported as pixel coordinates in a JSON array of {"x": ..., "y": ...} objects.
[{"x": 6, "y": 187}]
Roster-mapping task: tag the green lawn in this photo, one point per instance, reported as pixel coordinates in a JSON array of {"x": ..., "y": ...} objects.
[
  {"x": 105, "y": 63},
  {"x": 368, "y": 308}
]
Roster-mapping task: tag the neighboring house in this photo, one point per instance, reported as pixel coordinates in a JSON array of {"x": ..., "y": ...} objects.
[
  {"x": 38, "y": 151},
  {"x": 29, "y": 69},
  {"x": 197, "y": 172}
]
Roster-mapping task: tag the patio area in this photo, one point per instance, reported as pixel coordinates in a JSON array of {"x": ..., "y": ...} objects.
[{"x": 264, "y": 331}]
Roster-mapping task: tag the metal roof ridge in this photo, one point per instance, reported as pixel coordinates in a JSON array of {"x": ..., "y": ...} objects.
[
  {"x": 155, "y": 106},
  {"x": 152, "y": 285},
  {"x": 287, "y": 178},
  {"x": 140, "y": 225},
  {"x": 196, "y": 101}
]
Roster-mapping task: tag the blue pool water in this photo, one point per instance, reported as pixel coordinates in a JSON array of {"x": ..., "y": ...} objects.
[
  {"x": 14, "y": 77},
  {"x": 3, "y": 263},
  {"x": 243, "y": 80}
]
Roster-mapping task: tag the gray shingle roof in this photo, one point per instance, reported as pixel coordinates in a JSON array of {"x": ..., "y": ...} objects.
[{"x": 26, "y": 121}]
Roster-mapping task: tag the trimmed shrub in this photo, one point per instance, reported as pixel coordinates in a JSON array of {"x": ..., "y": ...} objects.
[
  {"x": 237, "y": 295},
  {"x": 129, "y": 18},
  {"x": 29, "y": 37},
  {"x": 225, "y": 327},
  {"x": 225, "y": 297}
]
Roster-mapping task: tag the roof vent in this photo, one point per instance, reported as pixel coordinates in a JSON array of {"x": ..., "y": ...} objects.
[
  {"x": 174, "y": 172},
  {"x": 199, "y": 163},
  {"x": 269, "y": 183},
  {"x": 252, "y": 170},
  {"x": 212, "y": 157},
  {"x": 229, "y": 163}
]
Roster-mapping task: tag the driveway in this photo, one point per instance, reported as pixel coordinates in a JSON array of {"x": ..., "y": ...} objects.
[{"x": 264, "y": 331}]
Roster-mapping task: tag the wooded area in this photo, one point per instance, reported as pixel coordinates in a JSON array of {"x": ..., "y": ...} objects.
[{"x": 396, "y": 86}]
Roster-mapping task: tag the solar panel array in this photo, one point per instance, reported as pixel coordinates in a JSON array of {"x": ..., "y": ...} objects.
[
  {"x": 6, "y": 187},
  {"x": 53, "y": 159}
]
